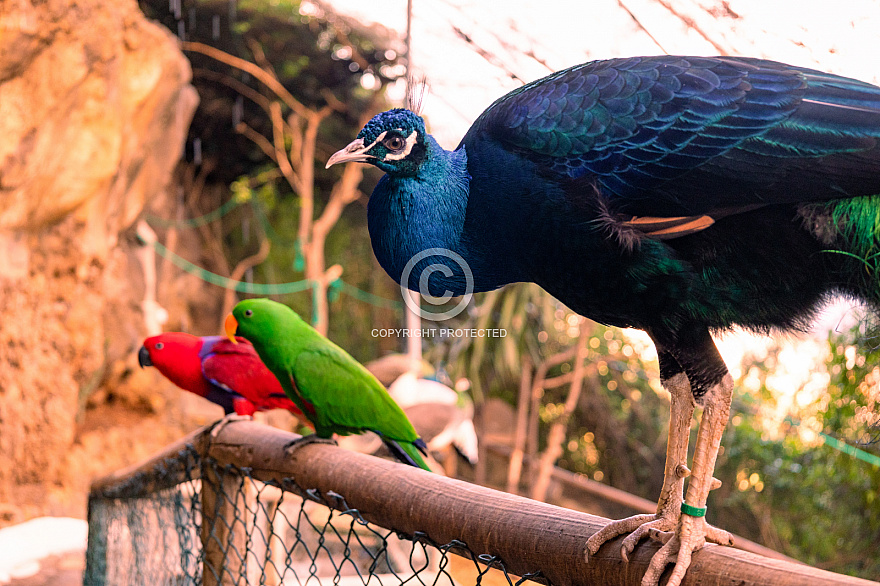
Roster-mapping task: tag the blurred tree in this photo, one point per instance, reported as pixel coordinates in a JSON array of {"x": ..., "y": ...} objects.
[
  {"x": 281, "y": 85},
  {"x": 801, "y": 492},
  {"x": 616, "y": 429}
]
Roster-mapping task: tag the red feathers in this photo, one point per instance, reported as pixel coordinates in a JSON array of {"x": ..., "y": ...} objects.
[{"x": 230, "y": 375}]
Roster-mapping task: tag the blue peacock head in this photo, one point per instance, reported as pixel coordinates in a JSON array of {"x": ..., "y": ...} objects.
[{"x": 394, "y": 141}]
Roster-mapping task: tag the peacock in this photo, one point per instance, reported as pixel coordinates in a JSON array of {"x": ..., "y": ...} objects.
[{"x": 679, "y": 195}]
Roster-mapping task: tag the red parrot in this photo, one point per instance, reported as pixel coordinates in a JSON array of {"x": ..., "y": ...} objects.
[{"x": 227, "y": 374}]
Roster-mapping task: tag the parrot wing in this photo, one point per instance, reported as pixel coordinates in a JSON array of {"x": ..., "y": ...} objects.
[
  {"x": 347, "y": 398},
  {"x": 238, "y": 368}
]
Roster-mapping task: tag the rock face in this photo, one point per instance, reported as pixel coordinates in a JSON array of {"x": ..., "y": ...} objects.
[
  {"x": 94, "y": 106},
  {"x": 95, "y": 103}
]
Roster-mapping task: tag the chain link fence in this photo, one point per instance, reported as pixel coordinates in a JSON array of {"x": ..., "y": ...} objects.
[{"x": 219, "y": 525}]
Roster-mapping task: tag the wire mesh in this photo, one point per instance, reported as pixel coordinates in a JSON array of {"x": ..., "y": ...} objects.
[{"x": 219, "y": 525}]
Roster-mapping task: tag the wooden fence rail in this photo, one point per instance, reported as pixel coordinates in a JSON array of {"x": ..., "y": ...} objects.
[
  {"x": 528, "y": 536},
  {"x": 637, "y": 504}
]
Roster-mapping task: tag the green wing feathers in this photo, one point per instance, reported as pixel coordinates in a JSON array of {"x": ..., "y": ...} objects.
[{"x": 347, "y": 397}]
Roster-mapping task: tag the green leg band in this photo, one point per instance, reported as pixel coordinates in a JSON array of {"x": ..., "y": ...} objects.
[{"x": 693, "y": 511}]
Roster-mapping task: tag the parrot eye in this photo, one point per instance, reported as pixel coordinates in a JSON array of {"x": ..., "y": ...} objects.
[
  {"x": 159, "y": 345},
  {"x": 248, "y": 312}
]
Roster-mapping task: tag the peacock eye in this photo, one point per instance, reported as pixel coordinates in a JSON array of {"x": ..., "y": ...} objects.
[
  {"x": 395, "y": 143},
  {"x": 248, "y": 312},
  {"x": 159, "y": 345}
]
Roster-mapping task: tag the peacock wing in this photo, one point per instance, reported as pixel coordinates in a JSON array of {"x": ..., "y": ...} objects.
[{"x": 669, "y": 136}]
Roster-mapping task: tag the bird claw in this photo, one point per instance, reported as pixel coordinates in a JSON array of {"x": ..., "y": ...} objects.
[
  {"x": 301, "y": 442},
  {"x": 221, "y": 423},
  {"x": 666, "y": 530},
  {"x": 660, "y": 536},
  {"x": 654, "y": 529},
  {"x": 678, "y": 548},
  {"x": 719, "y": 536},
  {"x": 615, "y": 528}
]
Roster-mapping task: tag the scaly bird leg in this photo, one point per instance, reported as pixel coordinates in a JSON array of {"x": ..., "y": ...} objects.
[
  {"x": 681, "y": 409},
  {"x": 669, "y": 505},
  {"x": 305, "y": 440},
  {"x": 692, "y": 532}
]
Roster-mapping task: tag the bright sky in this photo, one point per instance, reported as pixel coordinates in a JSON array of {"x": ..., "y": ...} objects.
[{"x": 839, "y": 37}]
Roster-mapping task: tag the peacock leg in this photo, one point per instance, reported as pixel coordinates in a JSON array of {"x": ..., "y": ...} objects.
[
  {"x": 692, "y": 532},
  {"x": 681, "y": 411}
]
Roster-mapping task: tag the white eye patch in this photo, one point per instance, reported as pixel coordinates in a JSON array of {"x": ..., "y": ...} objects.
[
  {"x": 410, "y": 141},
  {"x": 372, "y": 144}
]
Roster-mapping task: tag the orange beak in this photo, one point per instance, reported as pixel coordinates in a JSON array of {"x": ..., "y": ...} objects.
[{"x": 230, "y": 326}]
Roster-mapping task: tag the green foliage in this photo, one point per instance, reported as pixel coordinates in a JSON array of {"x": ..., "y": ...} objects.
[
  {"x": 621, "y": 414},
  {"x": 494, "y": 364},
  {"x": 801, "y": 495}
]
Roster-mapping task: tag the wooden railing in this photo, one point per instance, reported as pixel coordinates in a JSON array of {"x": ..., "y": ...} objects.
[{"x": 530, "y": 538}]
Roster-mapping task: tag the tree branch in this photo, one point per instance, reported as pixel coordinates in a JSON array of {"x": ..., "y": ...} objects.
[
  {"x": 234, "y": 84},
  {"x": 258, "y": 139},
  {"x": 298, "y": 181},
  {"x": 556, "y": 436},
  {"x": 239, "y": 271},
  {"x": 267, "y": 79}
]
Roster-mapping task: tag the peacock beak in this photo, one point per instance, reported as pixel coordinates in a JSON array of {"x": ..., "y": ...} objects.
[
  {"x": 230, "y": 326},
  {"x": 144, "y": 357},
  {"x": 355, "y": 152}
]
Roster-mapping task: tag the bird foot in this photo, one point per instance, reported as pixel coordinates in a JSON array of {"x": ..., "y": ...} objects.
[
  {"x": 658, "y": 527},
  {"x": 306, "y": 440},
  {"x": 614, "y": 528},
  {"x": 638, "y": 527},
  {"x": 221, "y": 423},
  {"x": 678, "y": 547}
]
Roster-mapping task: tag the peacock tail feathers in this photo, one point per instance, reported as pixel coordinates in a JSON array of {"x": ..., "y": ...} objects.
[{"x": 851, "y": 227}]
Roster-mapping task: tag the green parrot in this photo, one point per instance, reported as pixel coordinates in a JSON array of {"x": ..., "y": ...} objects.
[{"x": 334, "y": 391}]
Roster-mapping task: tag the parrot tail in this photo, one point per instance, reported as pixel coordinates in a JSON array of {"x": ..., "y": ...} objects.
[{"x": 408, "y": 452}]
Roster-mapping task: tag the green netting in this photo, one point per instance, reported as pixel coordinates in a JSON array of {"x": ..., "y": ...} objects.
[
  {"x": 336, "y": 286},
  {"x": 218, "y": 525},
  {"x": 211, "y": 216}
]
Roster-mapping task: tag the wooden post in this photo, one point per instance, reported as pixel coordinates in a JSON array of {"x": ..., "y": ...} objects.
[
  {"x": 275, "y": 553},
  {"x": 223, "y": 535},
  {"x": 96, "y": 561}
]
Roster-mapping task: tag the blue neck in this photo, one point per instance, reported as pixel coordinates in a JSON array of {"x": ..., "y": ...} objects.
[{"x": 408, "y": 215}]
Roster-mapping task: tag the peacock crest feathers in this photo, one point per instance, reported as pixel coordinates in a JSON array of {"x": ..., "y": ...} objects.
[
  {"x": 395, "y": 141},
  {"x": 401, "y": 120}
]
